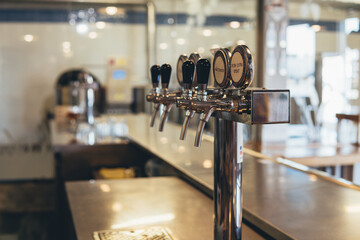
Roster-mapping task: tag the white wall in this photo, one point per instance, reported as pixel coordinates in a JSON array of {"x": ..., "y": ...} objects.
[{"x": 29, "y": 70}]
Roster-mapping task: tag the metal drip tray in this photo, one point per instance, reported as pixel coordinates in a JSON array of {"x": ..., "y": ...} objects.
[{"x": 150, "y": 233}]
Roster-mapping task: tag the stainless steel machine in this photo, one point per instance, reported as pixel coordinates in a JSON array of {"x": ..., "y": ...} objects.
[
  {"x": 232, "y": 104},
  {"x": 78, "y": 95}
]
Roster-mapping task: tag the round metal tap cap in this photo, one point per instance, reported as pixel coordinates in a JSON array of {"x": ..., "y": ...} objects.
[
  {"x": 221, "y": 67},
  {"x": 241, "y": 67}
]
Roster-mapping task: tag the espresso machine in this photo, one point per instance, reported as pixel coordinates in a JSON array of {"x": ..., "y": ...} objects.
[
  {"x": 78, "y": 96},
  {"x": 232, "y": 104}
]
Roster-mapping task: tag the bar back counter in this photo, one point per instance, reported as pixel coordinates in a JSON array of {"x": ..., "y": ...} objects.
[{"x": 280, "y": 202}]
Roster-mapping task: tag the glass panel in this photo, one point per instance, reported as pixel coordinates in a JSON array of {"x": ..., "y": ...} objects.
[
  {"x": 323, "y": 62},
  {"x": 198, "y": 26},
  {"x": 185, "y": 27},
  {"x": 323, "y": 43}
]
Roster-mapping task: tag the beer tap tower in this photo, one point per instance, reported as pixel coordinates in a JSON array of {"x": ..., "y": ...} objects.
[{"x": 232, "y": 105}]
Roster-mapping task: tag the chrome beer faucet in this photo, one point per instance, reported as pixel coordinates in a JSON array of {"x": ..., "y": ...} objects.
[
  {"x": 184, "y": 102},
  {"x": 232, "y": 104},
  {"x": 161, "y": 96},
  {"x": 231, "y": 97},
  {"x": 204, "y": 104},
  {"x": 188, "y": 79},
  {"x": 168, "y": 99},
  {"x": 155, "y": 94}
]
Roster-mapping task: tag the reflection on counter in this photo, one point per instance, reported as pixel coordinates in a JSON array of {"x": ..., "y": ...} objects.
[
  {"x": 268, "y": 187},
  {"x": 147, "y": 220},
  {"x": 106, "y": 129}
]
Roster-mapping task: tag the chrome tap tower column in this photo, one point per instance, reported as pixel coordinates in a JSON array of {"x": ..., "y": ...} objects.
[
  {"x": 231, "y": 104},
  {"x": 228, "y": 147}
]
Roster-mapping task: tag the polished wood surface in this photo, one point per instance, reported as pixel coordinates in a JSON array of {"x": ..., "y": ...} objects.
[
  {"x": 354, "y": 117},
  {"x": 138, "y": 203},
  {"x": 348, "y": 116}
]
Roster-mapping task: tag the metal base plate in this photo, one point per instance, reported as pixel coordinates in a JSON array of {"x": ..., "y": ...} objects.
[{"x": 150, "y": 233}]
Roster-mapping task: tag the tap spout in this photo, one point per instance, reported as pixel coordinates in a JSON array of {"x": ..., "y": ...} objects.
[
  {"x": 164, "y": 116},
  {"x": 189, "y": 115},
  {"x": 156, "y": 110},
  {"x": 204, "y": 118}
]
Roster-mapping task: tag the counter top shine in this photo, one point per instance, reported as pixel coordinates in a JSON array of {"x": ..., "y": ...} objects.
[{"x": 282, "y": 201}]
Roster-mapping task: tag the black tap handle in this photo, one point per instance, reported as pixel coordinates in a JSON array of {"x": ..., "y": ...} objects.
[
  {"x": 188, "y": 68},
  {"x": 165, "y": 75},
  {"x": 155, "y": 75},
  {"x": 202, "y": 73}
]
